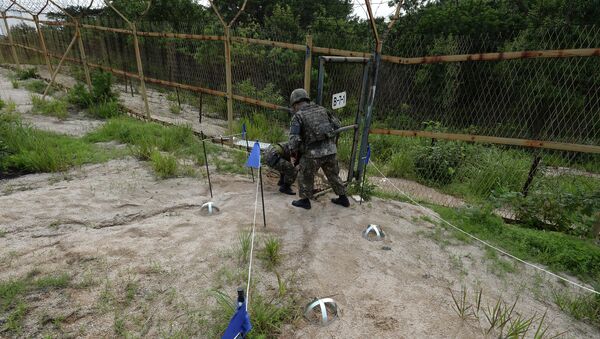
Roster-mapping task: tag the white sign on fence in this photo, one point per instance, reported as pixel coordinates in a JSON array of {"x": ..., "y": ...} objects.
[{"x": 338, "y": 100}]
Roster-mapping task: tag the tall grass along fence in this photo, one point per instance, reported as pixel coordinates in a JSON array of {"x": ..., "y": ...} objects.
[{"x": 512, "y": 122}]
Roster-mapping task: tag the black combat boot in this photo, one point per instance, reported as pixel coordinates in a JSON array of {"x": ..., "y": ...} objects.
[
  {"x": 304, "y": 203},
  {"x": 342, "y": 200},
  {"x": 286, "y": 189},
  {"x": 281, "y": 180}
]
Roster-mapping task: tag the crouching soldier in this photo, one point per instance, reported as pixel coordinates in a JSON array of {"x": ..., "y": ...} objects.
[{"x": 278, "y": 157}]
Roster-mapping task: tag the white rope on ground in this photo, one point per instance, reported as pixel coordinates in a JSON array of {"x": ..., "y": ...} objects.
[
  {"x": 485, "y": 242},
  {"x": 252, "y": 245}
]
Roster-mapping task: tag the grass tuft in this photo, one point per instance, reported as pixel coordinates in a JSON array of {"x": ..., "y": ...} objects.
[
  {"x": 165, "y": 166},
  {"x": 53, "y": 108},
  {"x": 271, "y": 253}
]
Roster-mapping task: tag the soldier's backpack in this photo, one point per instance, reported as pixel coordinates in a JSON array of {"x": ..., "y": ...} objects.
[{"x": 319, "y": 124}]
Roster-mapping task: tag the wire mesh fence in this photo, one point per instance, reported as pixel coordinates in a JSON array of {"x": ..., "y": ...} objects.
[{"x": 466, "y": 127}]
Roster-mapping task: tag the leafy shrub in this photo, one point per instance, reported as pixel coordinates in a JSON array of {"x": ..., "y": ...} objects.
[
  {"x": 101, "y": 91},
  {"x": 555, "y": 211},
  {"x": 54, "y": 108},
  {"x": 437, "y": 164},
  {"x": 24, "y": 74},
  {"x": 79, "y": 96},
  {"x": 106, "y": 110},
  {"x": 165, "y": 166}
]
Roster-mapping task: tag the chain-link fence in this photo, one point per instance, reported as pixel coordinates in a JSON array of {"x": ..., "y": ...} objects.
[{"x": 457, "y": 119}]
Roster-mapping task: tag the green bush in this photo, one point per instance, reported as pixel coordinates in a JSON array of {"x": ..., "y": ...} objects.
[
  {"x": 28, "y": 73},
  {"x": 79, "y": 96},
  {"x": 54, "y": 108},
  {"x": 165, "y": 166},
  {"x": 101, "y": 91},
  {"x": 106, "y": 110},
  {"x": 2, "y": 104},
  {"x": 555, "y": 209},
  {"x": 438, "y": 164}
]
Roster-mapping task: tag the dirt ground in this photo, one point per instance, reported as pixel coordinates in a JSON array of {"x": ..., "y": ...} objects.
[
  {"x": 141, "y": 256},
  {"x": 114, "y": 223}
]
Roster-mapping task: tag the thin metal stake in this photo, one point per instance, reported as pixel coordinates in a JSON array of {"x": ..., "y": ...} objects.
[
  {"x": 206, "y": 163},
  {"x": 362, "y": 187},
  {"x": 248, "y": 151},
  {"x": 262, "y": 196}
]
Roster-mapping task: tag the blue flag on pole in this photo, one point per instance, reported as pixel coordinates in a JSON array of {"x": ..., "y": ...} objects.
[
  {"x": 368, "y": 156},
  {"x": 254, "y": 158},
  {"x": 239, "y": 325},
  {"x": 244, "y": 131}
]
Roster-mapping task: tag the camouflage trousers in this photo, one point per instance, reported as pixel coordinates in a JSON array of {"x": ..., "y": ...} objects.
[
  {"x": 282, "y": 165},
  {"x": 308, "y": 169}
]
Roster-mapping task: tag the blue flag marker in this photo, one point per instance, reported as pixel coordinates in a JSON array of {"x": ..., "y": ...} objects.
[
  {"x": 368, "y": 156},
  {"x": 254, "y": 158},
  {"x": 239, "y": 324},
  {"x": 244, "y": 131}
]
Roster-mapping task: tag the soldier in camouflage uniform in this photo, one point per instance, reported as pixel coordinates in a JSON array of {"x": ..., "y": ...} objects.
[
  {"x": 278, "y": 157},
  {"x": 312, "y": 134}
]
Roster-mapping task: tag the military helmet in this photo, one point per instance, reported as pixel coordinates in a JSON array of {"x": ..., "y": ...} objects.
[{"x": 298, "y": 95}]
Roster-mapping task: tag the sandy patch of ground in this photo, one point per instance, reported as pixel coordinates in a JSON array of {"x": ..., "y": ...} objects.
[
  {"x": 113, "y": 225},
  {"x": 76, "y": 125}
]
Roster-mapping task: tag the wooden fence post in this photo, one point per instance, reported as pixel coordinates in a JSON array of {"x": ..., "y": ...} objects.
[
  {"x": 138, "y": 59},
  {"x": 82, "y": 56},
  {"x": 228, "y": 79},
  {"x": 43, "y": 43},
  {"x": 308, "y": 63},
  {"x": 10, "y": 40}
]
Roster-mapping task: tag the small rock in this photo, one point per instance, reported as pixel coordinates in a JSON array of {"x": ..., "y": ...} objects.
[{"x": 386, "y": 248}]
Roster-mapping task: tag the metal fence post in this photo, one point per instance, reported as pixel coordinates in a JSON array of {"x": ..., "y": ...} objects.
[
  {"x": 228, "y": 79},
  {"x": 43, "y": 43},
  {"x": 10, "y": 40},
  {"x": 320, "y": 84},
  {"x": 140, "y": 68},
  {"x": 364, "y": 89},
  {"x": 308, "y": 63},
  {"x": 369, "y": 116}
]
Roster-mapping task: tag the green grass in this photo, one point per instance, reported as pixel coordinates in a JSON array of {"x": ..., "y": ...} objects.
[
  {"x": 53, "y": 108},
  {"x": 174, "y": 109},
  {"x": 179, "y": 140},
  {"x": 165, "y": 166},
  {"x": 260, "y": 127},
  {"x": 13, "y": 294},
  {"x": 560, "y": 252},
  {"x": 271, "y": 253},
  {"x": 15, "y": 84},
  {"x": 27, "y": 73},
  {"x": 580, "y": 307},
  {"x": 105, "y": 110},
  {"x": 32, "y": 151},
  {"x": 38, "y": 86}
]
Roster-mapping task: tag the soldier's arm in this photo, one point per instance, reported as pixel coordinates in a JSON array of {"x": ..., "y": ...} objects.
[{"x": 295, "y": 139}]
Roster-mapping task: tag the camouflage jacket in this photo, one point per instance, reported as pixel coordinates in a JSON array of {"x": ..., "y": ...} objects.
[{"x": 311, "y": 131}]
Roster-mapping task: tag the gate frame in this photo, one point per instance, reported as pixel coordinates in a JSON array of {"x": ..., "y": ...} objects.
[{"x": 364, "y": 89}]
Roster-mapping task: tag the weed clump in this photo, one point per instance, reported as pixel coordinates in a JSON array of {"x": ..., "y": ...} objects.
[
  {"x": 28, "y": 73},
  {"x": 165, "y": 166},
  {"x": 53, "y": 108}
]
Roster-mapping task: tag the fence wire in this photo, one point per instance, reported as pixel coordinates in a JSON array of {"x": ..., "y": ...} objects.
[{"x": 552, "y": 99}]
